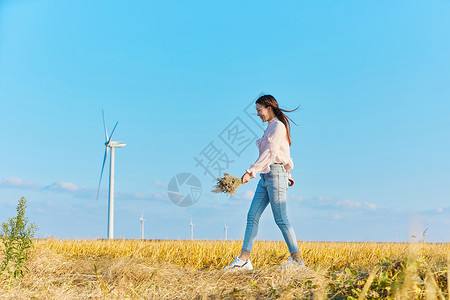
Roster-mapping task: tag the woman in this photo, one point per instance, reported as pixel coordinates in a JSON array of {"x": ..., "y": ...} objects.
[{"x": 274, "y": 164}]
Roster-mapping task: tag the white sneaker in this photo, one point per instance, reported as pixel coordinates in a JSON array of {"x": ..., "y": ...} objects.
[
  {"x": 239, "y": 264},
  {"x": 292, "y": 264}
]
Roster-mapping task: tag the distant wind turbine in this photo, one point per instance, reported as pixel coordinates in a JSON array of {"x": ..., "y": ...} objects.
[
  {"x": 192, "y": 230},
  {"x": 226, "y": 231},
  {"x": 142, "y": 225},
  {"x": 112, "y": 145}
]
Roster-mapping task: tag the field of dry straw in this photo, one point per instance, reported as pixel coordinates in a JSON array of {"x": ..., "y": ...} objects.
[{"x": 167, "y": 269}]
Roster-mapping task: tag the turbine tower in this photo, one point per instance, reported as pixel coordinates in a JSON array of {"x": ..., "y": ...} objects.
[
  {"x": 142, "y": 225},
  {"x": 112, "y": 145},
  {"x": 226, "y": 231},
  {"x": 192, "y": 230}
]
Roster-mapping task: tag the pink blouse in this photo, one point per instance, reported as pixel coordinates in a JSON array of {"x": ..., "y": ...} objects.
[{"x": 273, "y": 148}]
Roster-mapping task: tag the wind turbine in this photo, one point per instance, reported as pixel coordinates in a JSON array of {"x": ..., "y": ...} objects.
[
  {"x": 192, "y": 230},
  {"x": 142, "y": 225},
  {"x": 112, "y": 145},
  {"x": 226, "y": 232}
]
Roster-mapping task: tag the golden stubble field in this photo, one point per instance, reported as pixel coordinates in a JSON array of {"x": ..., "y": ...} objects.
[{"x": 169, "y": 269}]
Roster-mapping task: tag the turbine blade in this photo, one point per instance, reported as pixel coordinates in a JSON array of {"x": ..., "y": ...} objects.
[
  {"x": 113, "y": 131},
  {"x": 101, "y": 173},
  {"x": 104, "y": 124}
]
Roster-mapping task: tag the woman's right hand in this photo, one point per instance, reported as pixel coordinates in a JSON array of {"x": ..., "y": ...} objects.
[
  {"x": 245, "y": 178},
  {"x": 291, "y": 181}
]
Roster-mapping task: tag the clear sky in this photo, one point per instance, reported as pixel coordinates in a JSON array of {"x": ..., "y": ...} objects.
[{"x": 371, "y": 149}]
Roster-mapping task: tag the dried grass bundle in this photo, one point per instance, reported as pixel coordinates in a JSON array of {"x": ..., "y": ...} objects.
[{"x": 227, "y": 184}]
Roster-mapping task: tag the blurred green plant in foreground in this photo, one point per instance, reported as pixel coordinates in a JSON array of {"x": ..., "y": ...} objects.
[{"x": 16, "y": 236}]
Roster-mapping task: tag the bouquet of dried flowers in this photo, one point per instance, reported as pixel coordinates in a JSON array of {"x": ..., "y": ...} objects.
[{"x": 227, "y": 184}]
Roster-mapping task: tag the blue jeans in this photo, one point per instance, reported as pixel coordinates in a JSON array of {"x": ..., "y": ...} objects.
[{"x": 272, "y": 187}]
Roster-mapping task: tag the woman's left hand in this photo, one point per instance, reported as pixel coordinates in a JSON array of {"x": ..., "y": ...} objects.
[
  {"x": 245, "y": 178},
  {"x": 291, "y": 181}
]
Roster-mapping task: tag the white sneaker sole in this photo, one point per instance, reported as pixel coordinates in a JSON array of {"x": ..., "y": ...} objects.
[{"x": 244, "y": 267}]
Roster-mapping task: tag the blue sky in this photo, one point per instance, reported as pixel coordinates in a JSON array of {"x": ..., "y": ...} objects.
[{"x": 370, "y": 152}]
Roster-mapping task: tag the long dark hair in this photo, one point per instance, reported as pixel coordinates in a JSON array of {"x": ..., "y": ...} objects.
[{"x": 269, "y": 100}]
